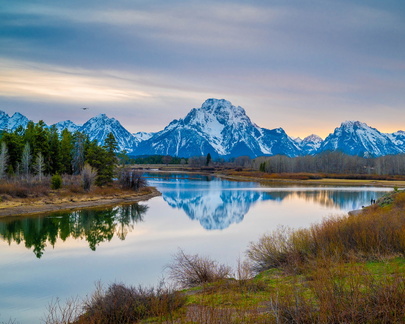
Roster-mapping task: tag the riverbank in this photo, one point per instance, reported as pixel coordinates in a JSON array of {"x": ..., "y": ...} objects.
[
  {"x": 283, "y": 178},
  {"x": 60, "y": 201},
  {"x": 339, "y": 270},
  {"x": 306, "y": 180}
]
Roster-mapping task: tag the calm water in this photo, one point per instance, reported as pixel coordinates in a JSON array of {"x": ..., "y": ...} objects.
[{"x": 64, "y": 254}]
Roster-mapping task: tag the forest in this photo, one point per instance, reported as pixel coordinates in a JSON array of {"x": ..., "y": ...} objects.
[
  {"x": 37, "y": 151},
  {"x": 331, "y": 163}
]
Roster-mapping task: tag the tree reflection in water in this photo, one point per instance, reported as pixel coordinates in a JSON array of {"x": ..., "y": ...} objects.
[{"x": 93, "y": 225}]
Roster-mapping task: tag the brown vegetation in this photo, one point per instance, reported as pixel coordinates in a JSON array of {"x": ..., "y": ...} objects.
[
  {"x": 118, "y": 304},
  {"x": 193, "y": 270},
  {"x": 377, "y": 232},
  {"x": 32, "y": 196},
  {"x": 348, "y": 269}
]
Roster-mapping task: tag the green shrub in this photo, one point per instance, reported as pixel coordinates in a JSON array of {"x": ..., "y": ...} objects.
[{"x": 56, "y": 182}]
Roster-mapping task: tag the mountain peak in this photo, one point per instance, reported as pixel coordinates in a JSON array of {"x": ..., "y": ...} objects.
[
  {"x": 312, "y": 138},
  {"x": 222, "y": 107},
  {"x": 102, "y": 116},
  {"x": 353, "y": 124}
]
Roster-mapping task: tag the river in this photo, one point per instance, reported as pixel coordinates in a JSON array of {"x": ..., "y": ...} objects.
[{"x": 64, "y": 254}]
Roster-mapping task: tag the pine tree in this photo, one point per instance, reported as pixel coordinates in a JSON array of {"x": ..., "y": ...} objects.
[
  {"x": 208, "y": 159},
  {"x": 110, "y": 146},
  {"x": 79, "y": 142},
  {"x": 15, "y": 145},
  {"x": 66, "y": 152},
  {"x": 54, "y": 156}
]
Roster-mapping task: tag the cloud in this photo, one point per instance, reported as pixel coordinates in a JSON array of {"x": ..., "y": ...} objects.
[{"x": 324, "y": 61}]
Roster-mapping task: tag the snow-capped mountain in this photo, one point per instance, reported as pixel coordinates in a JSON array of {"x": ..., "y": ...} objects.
[
  {"x": 214, "y": 210},
  {"x": 97, "y": 128},
  {"x": 398, "y": 138},
  {"x": 13, "y": 122},
  {"x": 218, "y": 128},
  {"x": 310, "y": 144},
  {"x": 67, "y": 124},
  {"x": 142, "y": 136},
  {"x": 357, "y": 138},
  {"x": 224, "y": 130}
]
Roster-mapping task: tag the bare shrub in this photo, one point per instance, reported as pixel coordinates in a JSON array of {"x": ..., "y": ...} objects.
[
  {"x": 131, "y": 179},
  {"x": 59, "y": 313},
  {"x": 89, "y": 175},
  {"x": 272, "y": 250},
  {"x": 23, "y": 188},
  {"x": 122, "y": 304},
  {"x": 244, "y": 270},
  {"x": 193, "y": 270}
]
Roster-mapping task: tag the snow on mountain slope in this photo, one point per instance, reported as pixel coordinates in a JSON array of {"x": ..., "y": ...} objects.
[
  {"x": 142, "y": 136},
  {"x": 13, "y": 122},
  {"x": 67, "y": 124},
  {"x": 398, "y": 138},
  {"x": 357, "y": 138},
  {"x": 97, "y": 128},
  {"x": 218, "y": 128},
  {"x": 310, "y": 144},
  {"x": 224, "y": 130}
]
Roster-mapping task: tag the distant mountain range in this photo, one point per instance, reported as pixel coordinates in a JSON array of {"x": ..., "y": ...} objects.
[{"x": 224, "y": 130}]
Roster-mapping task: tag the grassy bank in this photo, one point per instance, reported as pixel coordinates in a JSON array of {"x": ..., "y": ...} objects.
[{"x": 343, "y": 270}]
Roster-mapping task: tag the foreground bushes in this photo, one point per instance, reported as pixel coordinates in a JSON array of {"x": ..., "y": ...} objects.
[
  {"x": 193, "y": 270},
  {"x": 118, "y": 304},
  {"x": 341, "y": 293},
  {"x": 318, "y": 275},
  {"x": 377, "y": 232}
]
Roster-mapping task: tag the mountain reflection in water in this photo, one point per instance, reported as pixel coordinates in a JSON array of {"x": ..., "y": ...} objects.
[
  {"x": 93, "y": 225},
  {"x": 218, "y": 210},
  {"x": 217, "y": 204}
]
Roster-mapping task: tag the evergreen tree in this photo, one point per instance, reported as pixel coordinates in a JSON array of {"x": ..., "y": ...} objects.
[
  {"x": 79, "y": 142},
  {"x": 15, "y": 145},
  {"x": 66, "y": 152},
  {"x": 208, "y": 159},
  {"x": 54, "y": 156},
  {"x": 110, "y": 146}
]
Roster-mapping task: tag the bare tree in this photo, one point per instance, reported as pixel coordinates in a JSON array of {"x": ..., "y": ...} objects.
[
  {"x": 89, "y": 175},
  {"x": 26, "y": 160},
  {"x": 3, "y": 160},
  {"x": 131, "y": 179},
  {"x": 39, "y": 166}
]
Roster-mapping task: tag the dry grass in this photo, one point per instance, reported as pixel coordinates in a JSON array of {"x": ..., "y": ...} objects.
[{"x": 378, "y": 232}]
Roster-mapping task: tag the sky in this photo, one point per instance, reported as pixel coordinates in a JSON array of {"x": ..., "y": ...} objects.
[{"x": 305, "y": 66}]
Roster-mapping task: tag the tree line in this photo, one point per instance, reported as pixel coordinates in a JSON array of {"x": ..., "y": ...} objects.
[
  {"x": 331, "y": 162},
  {"x": 40, "y": 150}
]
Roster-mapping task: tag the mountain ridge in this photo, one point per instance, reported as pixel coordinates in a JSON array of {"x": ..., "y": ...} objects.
[{"x": 226, "y": 131}]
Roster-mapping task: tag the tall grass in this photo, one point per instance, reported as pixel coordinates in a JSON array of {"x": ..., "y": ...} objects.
[
  {"x": 377, "y": 232},
  {"x": 340, "y": 294}
]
